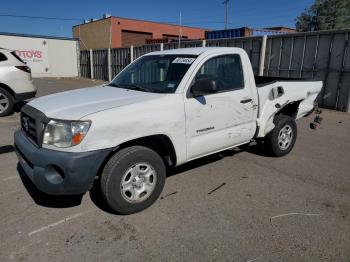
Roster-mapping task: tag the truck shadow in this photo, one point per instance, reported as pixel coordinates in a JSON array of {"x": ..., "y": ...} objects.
[
  {"x": 202, "y": 162},
  {"x": 96, "y": 196},
  {"x": 253, "y": 148},
  {"x": 6, "y": 149},
  {"x": 46, "y": 200},
  {"x": 258, "y": 149}
]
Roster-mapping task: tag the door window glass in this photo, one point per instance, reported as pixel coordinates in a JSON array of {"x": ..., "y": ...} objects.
[{"x": 226, "y": 70}]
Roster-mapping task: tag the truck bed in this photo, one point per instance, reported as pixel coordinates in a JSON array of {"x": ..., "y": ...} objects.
[
  {"x": 266, "y": 80},
  {"x": 299, "y": 91}
]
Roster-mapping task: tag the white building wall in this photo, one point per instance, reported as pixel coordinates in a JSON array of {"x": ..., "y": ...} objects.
[{"x": 47, "y": 57}]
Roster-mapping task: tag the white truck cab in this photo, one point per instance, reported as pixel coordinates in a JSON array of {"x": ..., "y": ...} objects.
[{"x": 163, "y": 110}]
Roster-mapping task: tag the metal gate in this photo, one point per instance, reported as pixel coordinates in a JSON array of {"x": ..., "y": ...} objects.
[
  {"x": 313, "y": 55},
  {"x": 100, "y": 64},
  {"x": 120, "y": 58},
  {"x": 85, "y": 64},
  {"x": 252, "y": 45}
]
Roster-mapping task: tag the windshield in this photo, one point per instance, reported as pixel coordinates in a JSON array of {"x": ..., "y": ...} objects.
[{"x": 154, "y": 73}]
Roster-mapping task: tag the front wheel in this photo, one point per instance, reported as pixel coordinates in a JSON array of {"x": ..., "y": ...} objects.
[
  {"x": 6, "y": 102},
  {"x": 280, "y": 141},
  {"x": 133, "y": 179}
]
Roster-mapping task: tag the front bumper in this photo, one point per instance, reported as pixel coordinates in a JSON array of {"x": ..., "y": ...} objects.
[
  {"x": 24, "y": 96},
  {"x": 55, "y": 172}
]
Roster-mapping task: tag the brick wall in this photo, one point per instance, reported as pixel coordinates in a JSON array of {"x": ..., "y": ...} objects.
[{"x": 107, "y": 32}]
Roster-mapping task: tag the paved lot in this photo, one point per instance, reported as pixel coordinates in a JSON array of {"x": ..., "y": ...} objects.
[{"x": 295, "y": 208}]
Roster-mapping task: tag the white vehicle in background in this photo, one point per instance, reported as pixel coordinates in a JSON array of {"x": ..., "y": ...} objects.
[
  {"x": 15, "y": 81},
  {"x": 163, "y": 110}
]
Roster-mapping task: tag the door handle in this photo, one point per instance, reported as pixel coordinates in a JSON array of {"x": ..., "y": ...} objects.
[{"x": 246, "y": 100}]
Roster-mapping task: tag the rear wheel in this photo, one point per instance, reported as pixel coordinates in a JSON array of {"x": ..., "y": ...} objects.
[
  {"x": 280, "y": 141},
  {"x": 133, "y": 179},
  {"x": 6, "y": 102}
]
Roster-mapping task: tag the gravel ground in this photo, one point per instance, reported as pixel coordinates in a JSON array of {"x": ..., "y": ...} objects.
[{"x": 295, "y": 208}]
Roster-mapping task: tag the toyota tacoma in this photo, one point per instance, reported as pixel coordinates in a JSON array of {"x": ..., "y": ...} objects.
[{"x": 163, "y": 110}]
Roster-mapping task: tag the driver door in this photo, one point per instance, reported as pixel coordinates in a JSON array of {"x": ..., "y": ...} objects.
[{"x": 222, "y": 119}]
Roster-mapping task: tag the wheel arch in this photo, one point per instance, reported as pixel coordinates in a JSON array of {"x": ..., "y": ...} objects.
[
  {"x": 8, "y": 89},
  {"x": 160, "y": 143},
  {"x": 290, "y": 109}
]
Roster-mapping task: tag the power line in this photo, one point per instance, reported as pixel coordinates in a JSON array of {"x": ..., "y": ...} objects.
[
  {"x": 42, "y": 17},
  {"x": 76, "y": 19},
  {"x": 188, "y": 22}
]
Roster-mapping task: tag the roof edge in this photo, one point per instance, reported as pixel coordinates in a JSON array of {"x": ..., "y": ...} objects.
[
  {"x": 39, "y": 36},
  {"x": 140, "y": 20}
]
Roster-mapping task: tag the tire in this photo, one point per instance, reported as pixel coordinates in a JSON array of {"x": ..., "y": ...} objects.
[
  {"x": 280, "y": 141},
  {"x": 7, "y": 102},
  {"x": 133, "y": 179}
]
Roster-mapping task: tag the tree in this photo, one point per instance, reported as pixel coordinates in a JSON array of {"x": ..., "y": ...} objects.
[{"x": 325, "y": 15}]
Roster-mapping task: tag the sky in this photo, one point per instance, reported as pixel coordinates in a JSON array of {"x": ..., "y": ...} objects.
[{"x": 198, "y": 13}]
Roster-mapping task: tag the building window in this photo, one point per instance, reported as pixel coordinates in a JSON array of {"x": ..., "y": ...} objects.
[
  {"x": 174, "y": 36},
  {"x": 134, "y": 38}
]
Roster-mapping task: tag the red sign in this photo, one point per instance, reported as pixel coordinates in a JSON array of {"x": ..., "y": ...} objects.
[{"x": 29, "y": 54}]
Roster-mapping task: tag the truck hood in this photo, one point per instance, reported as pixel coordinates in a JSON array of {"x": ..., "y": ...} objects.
[{"x": 73, "y": 105}]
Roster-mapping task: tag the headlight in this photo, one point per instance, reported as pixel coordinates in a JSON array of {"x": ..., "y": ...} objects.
[{"x": 65, "y": 133}]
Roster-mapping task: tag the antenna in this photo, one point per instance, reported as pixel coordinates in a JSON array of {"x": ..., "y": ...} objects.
[{"x": 226, "y": 12}]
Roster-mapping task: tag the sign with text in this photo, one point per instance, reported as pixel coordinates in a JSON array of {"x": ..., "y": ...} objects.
[{"x": 33, "y": 51}]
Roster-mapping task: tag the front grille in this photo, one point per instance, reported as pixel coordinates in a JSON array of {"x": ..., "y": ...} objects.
[
  {"x": 28, "y": 125},
  {"x": 33, "y": 123}
]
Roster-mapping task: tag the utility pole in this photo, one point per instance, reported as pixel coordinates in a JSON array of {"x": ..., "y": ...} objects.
[
  {"x": 226, "y": 12},
  {"x": 180, "y": 30}
]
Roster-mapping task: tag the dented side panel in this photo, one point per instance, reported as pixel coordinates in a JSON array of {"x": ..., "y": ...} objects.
[
  {"x": 163, "y": 116},
  {"x": 306, "y": 92}
]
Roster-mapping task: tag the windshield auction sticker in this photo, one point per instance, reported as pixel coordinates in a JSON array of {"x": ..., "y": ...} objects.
[{"x": 183, "y": 60}]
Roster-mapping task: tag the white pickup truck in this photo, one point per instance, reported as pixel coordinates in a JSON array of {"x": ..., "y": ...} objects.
[{"x": 163, "y": 110}]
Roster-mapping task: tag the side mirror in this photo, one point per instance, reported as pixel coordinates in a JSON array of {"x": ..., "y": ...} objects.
[
  {"x": 204, "y": 86},
  {"x": 277, "y": 92}
]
